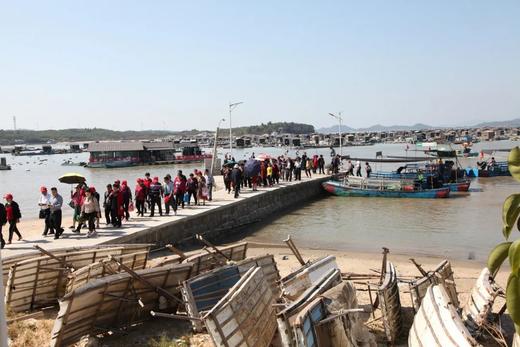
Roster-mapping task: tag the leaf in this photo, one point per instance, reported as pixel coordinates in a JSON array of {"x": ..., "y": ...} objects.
[
  {"x": 514, "y": 163},
  {"x": 497, "y": 256},
  {"x": 510, "y": 213},
  {"x": 513, "y": 298},
  {"x": 514, "y": 257}
]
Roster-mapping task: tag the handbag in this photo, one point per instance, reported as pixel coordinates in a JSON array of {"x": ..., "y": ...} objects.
[
  {"x": 167, "y": 199},
  {"x": 42, "y": 214},
  {"x": 131, "y": 207}
]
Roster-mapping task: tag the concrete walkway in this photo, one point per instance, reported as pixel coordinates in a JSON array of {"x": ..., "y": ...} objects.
[{"x": 32, "y": 230}]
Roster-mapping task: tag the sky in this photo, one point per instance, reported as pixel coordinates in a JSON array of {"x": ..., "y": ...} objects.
[{"x": 177, "y": 65}]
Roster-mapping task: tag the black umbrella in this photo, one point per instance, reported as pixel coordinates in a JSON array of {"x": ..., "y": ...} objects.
[
  {"x": 230, "y": 163},
  {"x": 252, "y": 168},
  {"x": 72, "y": 178}
]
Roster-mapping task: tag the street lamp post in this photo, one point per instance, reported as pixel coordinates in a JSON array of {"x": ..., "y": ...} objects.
[
  {"x": 232, "y": 106},
  {"x": 338, "y": 117},
  {"x": 215, "y": 147}
]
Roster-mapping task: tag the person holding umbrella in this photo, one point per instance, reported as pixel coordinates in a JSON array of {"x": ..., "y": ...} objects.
[{"x": 13, "y": 217}]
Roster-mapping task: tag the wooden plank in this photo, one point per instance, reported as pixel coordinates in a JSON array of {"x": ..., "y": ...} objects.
[
  {"x": 96, "y": 304},
  {"x": 390, "y": 302},
  {"x": 210, "y": 260},
  {"x": 135, "y": 261},
  {"x": 8, "y": 262},
  {"x": 38, "y": 282},
  {"x": 269, "y": 269}
]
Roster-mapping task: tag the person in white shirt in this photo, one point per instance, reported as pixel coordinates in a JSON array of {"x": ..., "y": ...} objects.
[{"x": 45, "y": 210}]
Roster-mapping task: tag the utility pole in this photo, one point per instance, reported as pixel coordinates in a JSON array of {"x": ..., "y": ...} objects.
[
  {"x": 214, "y": 158},
  {"x": 338, "y": 117},
  {"x": 232, "y": 106},
  {"x": 14, "y": 123}
]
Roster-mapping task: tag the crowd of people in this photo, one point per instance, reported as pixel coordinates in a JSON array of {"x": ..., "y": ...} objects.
[{"x": 153, "y": 195}]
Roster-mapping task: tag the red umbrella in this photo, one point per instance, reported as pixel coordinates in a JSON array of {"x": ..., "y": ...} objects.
[{"x": 263, "y": 157}]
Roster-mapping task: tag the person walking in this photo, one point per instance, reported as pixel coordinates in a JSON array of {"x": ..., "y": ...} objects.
[
  {"x": 202, "y": 188},
  {"x": 89, "y": 211},
  {"x": 169, "y": 196},
  {"x": 3, "y": 221},
  {"x": 56, "y": 203},
  {"x": 226, "y": 173},
  {"x": 106, "y": 204},
  {"x": 116, "y": 206},
  {"x": 297, "y": 169},
  {"x": 76, "y": 201},
  {"x": 210, "y": 181},
  {"x": 308, "y": 168},
  {"x": 14, "y": 215},
  {"x": 179, "y": 188},
  {"x": 368, "y": 169},
  {"x": 156, "y": 194},
  {"x": 236, "y": 179},
  {"x": 358, "y": 169},
  {"x": 192, "y": 185},
  {"x": 127, "y": 198},
  {"x": 45, "y": 212},
  {"x": 321, "y": 164},
  {"x": 269, "y": 173},
  {"x": 140, "y": 197}
]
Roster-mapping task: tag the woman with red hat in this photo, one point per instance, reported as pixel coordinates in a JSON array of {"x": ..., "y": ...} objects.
[
  {"x": 13, "y": 213},
  {"x": 127, "y": 198},
  {"x": 140, "y": 197}
]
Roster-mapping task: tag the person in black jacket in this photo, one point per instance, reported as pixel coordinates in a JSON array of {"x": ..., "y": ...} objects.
[
  {"x": 236, "y": 178},
  {"x": 3, "y": 220},
  {"x": 13, "y": 217}
]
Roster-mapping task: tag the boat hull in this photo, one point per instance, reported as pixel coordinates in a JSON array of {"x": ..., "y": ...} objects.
[
  {"x": 458, "y": 186},
  {"x": 339, "y": 189}
]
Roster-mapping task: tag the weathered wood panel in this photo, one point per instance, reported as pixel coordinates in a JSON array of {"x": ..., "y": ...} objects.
[
  {"x": 477, "y": 308},
  {"x": 437, "y": 323},
  {"x": 269, "y": 269},
  {"x": 202, "y": 292},
  {"x": 111, "y": 302},
  {"x": 390, "y": 303},
  {"x": 7, "y": 262},
  {"x": 294, "y": 284},
  {"x": 209, "y": 259},
  {"x": 443, "y": 274},
  {"x": 245, "y": 316},
  {"x": 106, "y": 267},
  {"x": 41, "y": 281}
]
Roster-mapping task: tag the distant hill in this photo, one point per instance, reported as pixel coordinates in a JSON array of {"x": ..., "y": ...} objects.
[
  {"x": 8, "y": 137},
  {"x": 505, "y": 123},
  {"x": 377, "y": 127},
  {"x": 281, "y": 127},
  {"x": 418, "y": 126}
]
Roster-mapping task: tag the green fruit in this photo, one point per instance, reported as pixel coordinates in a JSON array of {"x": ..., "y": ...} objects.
[
  {"x": 514, "y": 163},
  {"x": 513, "y": 298},
  {"x": 510, "y": 213},
  {"x": 497, "y": 256},
  {"x": 514, "y": 257}
]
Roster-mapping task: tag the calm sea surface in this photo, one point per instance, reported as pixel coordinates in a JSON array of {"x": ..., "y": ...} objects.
[{"x": 467, "y": 225}]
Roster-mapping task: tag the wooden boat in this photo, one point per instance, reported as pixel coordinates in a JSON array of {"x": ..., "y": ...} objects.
[
  {"x": 8, "y": 262},
  {"x": 306, "y": 329},
  {"x": 388, "y": 293},
  {"x": 245, "y": 316},
  {"x": 437, "y": 323},
  {"x": 106, "y": 267},
  {"x": 501, "y": 168},
  {"x": 382, "y": 189},
  {"x": 442, "y": 274},
  {"x": 294, "y": 284},
  {"x": 290, "y": 332},
  {"x": 115, "y": 301},
  {"x": 202, "y": 292},
  {"x": 39, "y": 282},
  {"x": 477, "y": 309}
]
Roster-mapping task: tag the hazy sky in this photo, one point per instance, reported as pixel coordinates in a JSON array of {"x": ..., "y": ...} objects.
[{"x": 176, "y": 64}]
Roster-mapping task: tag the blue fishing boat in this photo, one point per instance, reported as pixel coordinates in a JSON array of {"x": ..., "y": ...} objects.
[
  {"x": 383, "y": 189},
  {"x": 500, "y": 168}
]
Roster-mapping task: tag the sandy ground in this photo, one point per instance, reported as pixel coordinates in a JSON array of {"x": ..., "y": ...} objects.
[{"x": 151, "y": 332}]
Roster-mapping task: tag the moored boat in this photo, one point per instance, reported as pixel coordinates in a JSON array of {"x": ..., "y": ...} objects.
[
  {"x": 461, "y": 186},
  {"x": 383, "y": 189}
]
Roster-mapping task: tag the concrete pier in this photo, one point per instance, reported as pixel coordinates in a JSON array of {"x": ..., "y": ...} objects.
[{"x": 219, "y": 217}]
